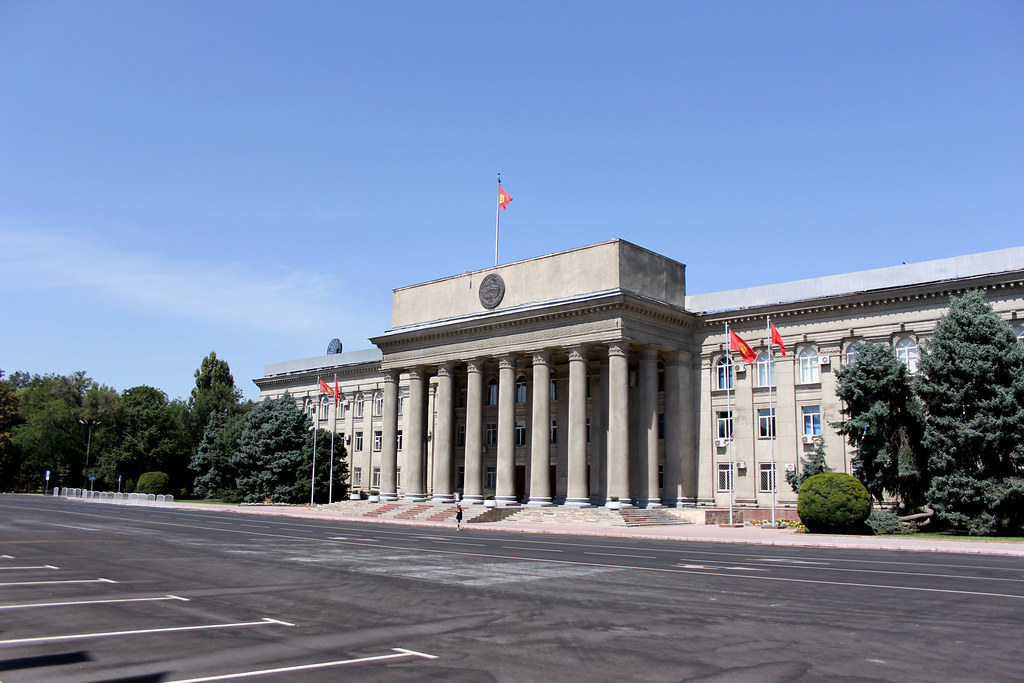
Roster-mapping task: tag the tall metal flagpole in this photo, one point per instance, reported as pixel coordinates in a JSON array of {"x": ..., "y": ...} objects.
[
  {"x": 334, "y": 428},
  {"x": 316, "y": 407},
  {"x": 771, "y": 408},
  {"x": 728, "y": 423},
  {"x": 497, "y": 219}
]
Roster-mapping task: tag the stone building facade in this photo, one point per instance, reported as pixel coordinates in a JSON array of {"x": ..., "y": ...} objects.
[{"x": 590, "y": 375}]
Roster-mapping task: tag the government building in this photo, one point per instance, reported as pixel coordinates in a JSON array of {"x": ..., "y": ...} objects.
[{"x": 590, "y": 376}]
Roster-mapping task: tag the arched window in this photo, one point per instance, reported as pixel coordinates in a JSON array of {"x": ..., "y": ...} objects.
[
  {"x": 808, "y": 359},
  {"x": 325, "y": 407},
  {"x": 1019, "y": 331},
  {"x": 492, "y": 392},
  {"x": 521, "y": 389},
  {"x": 378, "y": 403},
  {"x": 554, "y": 387},
  {"x": 360, "y": 402},
  {"x": 765, "y": 370},
  {"x": 906, "y": 351},
  {"x": 723, "y": 373},
  {"x": 851, "y": 352},
  {"x": 310, "y": 409}
]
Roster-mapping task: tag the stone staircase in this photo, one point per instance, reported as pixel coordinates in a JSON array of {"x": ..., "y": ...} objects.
[{"x": 651, "y": 517}]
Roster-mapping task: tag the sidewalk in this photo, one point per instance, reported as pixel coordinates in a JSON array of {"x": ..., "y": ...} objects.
[{"x": 747, "y": 534}]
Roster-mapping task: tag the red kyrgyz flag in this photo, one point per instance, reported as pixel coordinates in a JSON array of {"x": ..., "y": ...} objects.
[
  {"x": 503, "y": 197},
  {"x": 777, "y": 338},
  {"x": 337, "y": 394},
  {"x": 737, "y": 344},
  {"x": 325, "y": 389}
]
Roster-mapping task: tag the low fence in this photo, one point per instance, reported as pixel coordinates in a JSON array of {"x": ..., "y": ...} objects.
[{"x": 111, "y": 497}]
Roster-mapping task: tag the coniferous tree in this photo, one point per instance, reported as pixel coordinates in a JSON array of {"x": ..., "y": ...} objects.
[
  {"x": 883, "y": 420},
  {"x": 271, "y": 453},
  {"x": 813, "y": 464},
  {"x": 215, "y": 475},
  {"x": 973, "y": 388}
]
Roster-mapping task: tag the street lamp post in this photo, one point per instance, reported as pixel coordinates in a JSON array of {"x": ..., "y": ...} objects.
[{"x": 88, "y": 446}]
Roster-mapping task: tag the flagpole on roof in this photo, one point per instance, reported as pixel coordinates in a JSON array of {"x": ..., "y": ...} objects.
[
  {"x": 316, "y": 408},
  {"x": 334, "y": 428},
  {"x": 771, "y": 408},
  {"x": 728, "y": 423},
  {"x": 497, "y": 219}
]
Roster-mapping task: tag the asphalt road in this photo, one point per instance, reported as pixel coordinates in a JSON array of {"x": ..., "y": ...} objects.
[{"x": 101, "y": 592}]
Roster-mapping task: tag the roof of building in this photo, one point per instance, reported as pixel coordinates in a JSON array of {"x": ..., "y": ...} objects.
[{"x": 323, "y": 363}]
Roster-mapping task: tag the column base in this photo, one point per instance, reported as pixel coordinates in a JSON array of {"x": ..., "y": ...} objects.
[
  {"x": 539, "y": 501},
  {"x": 414, "y": 497},
  {"x": 506, "y": 501},
  {"x": 443, "y": 498},
  {"x": 627, "y": 503},
  {"x": 577, "y": 503},
  {"x": 473, "y": 499},
  {"x": 388, "y": 497},
  {"x": 653, "y": 503}
]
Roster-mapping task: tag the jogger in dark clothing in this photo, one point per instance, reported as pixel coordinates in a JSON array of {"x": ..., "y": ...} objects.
[{"x": 458, "y": 516}]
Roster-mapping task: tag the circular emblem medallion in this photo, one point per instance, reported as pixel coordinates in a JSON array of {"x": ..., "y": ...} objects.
[{"x": 492, "y": 289}]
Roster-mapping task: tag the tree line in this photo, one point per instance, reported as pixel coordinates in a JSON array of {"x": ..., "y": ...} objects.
[{"x": 212, "y": 445}]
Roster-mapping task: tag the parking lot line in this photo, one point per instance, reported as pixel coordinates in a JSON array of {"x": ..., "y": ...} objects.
[
  {"x": 265, "y": 621},
  {"x": 399, "y": 652},
  {"x": 50, "y": 583},
  {"x": 94, "y": 602},
  {"x": 41, "y": 566}
]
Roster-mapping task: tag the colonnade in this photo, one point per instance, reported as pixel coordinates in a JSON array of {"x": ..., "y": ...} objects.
[{"x": 610, "y": 416}]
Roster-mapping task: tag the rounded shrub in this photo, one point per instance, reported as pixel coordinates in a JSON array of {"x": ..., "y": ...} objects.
[
  {"x": 884, "y": 522},
  {"x": 152, "y": 482},
  {"x": 833, "y": 502}
]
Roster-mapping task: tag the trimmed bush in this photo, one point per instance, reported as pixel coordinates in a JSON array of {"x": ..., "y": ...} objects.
[
  {"x": 152, "y": 483},
  {"x": 884, "y": 522},
  {"x": 833, "y": 502}
]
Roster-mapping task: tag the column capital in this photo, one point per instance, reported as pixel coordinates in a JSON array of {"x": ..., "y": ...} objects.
[
  {"x": 476, "y": 365},
  {"x": 619, "y": 348},
  {"x": 445, "y": 370},
  {"x": 415, "y": 373},
  {"x": 541, "y": 357},
  {"x": 507, "y": 362},
  {"x": 389, "y": 377},
  {"x": 649, "y": 353},
  {"x": 577, "y": 353}
]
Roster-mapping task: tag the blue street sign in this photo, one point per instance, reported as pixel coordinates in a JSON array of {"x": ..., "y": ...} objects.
[{"x": 92, "y": 477}]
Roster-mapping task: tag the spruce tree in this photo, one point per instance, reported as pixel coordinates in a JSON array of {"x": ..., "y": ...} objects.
[
  {"x": 813, "y": 464},
  {"x": 884, "y": 422},
  {"x": 272, "y": 452},
  {"x": 973, "y": 388}
]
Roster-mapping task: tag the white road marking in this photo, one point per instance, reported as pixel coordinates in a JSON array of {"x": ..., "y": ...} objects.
[
  {"x": 400, "y": 652},
  {"x": 786, "y": 560},
  {"x": 50, "y": 583},
  {"x": 6, "y": 557},
  {"x": 94, "y": 602},
  {"x": 646, "y": 557},
  {"x": 43, "y": 566},
  {"x": 266, "y": 621},
  {"x": 478, "y": 545},
  {"x": 536, "y": 550}
]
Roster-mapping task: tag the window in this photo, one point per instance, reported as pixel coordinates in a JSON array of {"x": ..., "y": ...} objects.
[
  {"x": 492, "y": 392},
  {"x": 398, "y": 439},
  {"x": 766, "y": 481},
  {"x": 463, "y": 395},
  {"x": 357, "y": 476},
  {"x": 359, "y": 405},
  {"x": 309, "y": 409},
  {"x": 812, "y": 420},
  {"x": 375, "y": 478},
  {"x": 808, "y": 359},
  {"x": 588, "y": 382},
  {"x": 460, "y": 437},
  {"x": 906, "y": 351},
  {"x": 398, "y": 477},
  {"x": 765, "y": 370},
  {"x": 723, "y": 373},
  {"x": 378, "y": 441},
  {"x": 520, "y": 433},
  {"x": 491, "y": 434},
  {"x": 401, "y": 402},
  {"x": 766, "y": 423},
  {"x": 378, "y": 403},
  {"x": 359, "y": 441},
  {"x": 724, "y": 419},
  {"x": 724, "y": 476},
  {"x": 661, "y": 477},
  {"x": 325, "y": 408},
  {"x": 851, "y": 352},
  {"x": 554, "y": 387},
  {"x": 521, "y": 389},
  {"x": 1019, "y": 331},
  {"x": 342, "y": 407},
  {"x": 490, "y": 477},
  {"x": 661, "y": 425},
  {"x": 661, "y": 376},
  {"x": 554, "y": 432}
]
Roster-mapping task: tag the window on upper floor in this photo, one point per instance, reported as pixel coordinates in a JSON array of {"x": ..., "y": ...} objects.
[
  {"x": 520, "y": 433},
  {"x": 808, "y": 359},
  {"x": 1019, "y": 331},
  {"x": 554, "y": 387},
  {"x": 724, "y": 373},
  {"x": 906, "y": 351},
  {"x": 492, "y": 392},
  {"x": 812, "y": 420},
  {"x": 463, "y": 393},
  {"x": 360, "y": 402},
  {"x": 378, "y": 403},
  {"x": 852, "y": 351},
  {"x": 765, "y": 423},
  {"x": 723, "y": 420},
  {"x": 765, "y": 370},
  {"x": 521, "y": 389}
]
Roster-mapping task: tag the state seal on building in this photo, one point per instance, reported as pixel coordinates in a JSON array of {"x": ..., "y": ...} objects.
[{"x": 492, "y": 290}]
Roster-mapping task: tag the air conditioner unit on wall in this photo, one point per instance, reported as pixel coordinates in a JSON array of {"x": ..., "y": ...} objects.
[
  {"x": 808, "y": 438},
  {"x": 824, "y": 360},
  {"x": 740, "y": 368},
  {"x": 741, "y": 465},
  {"x": 790, "y": 467},
  {"x": 721, "y": 443}
]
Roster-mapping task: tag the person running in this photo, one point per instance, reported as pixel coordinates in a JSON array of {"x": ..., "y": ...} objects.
[{"x": 458, "y": 516}]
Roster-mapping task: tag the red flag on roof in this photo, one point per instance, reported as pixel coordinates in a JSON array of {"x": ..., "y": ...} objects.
[
  {"x": 337, "y": 394},
  {"x": 737, "y": 344},
  {"x": 777, "y": 338},
  {"x": 325, "y": 389},
  {"x": 503, "y": 197}
]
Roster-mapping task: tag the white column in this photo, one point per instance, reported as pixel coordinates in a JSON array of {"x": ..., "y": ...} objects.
[
  {"x": 578, "y": 494},
  {"x": 474, "y": 485},
  {"x": 445, "y": 406},
  {"x": 413, "y": 480},
  {"x": 648, "y": 409},
  {"x": 540, "y": 449},
  {"x": 505, "y": 489},
  {"x": 618, "y": 422},
  {"x": 389, "y": 438}
]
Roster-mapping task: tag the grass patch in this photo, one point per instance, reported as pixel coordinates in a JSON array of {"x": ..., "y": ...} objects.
[{"x": 957, "y": 536}]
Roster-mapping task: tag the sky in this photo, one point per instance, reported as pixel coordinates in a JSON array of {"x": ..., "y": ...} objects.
[{"x": 254, "y": 178}]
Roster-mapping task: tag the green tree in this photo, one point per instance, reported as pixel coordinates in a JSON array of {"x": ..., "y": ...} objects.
[
  {"x": 271, "y": 453},
  {"x": 973, "y": 390},
  {"x": 813, "y": 464},
  {"x": 215, "y": 477},
  {"x": 884, "y": 422},
  {"x": 145, "y": 434},
  {"x": 214, "y": 391},
  {"x": 9, "y": 418}
]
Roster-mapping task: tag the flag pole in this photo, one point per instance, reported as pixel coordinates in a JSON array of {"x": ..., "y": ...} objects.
[
  {"x": 497, "y": 220},
  {"x": 728, "y": 423},
  {"x": 334, "y": 428},
  {"x": 316, "y": 408},
  {"x": 771, "y": 409}
]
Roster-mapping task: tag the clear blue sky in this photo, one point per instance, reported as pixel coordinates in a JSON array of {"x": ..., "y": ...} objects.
[{"x": 254, "y": 178}]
